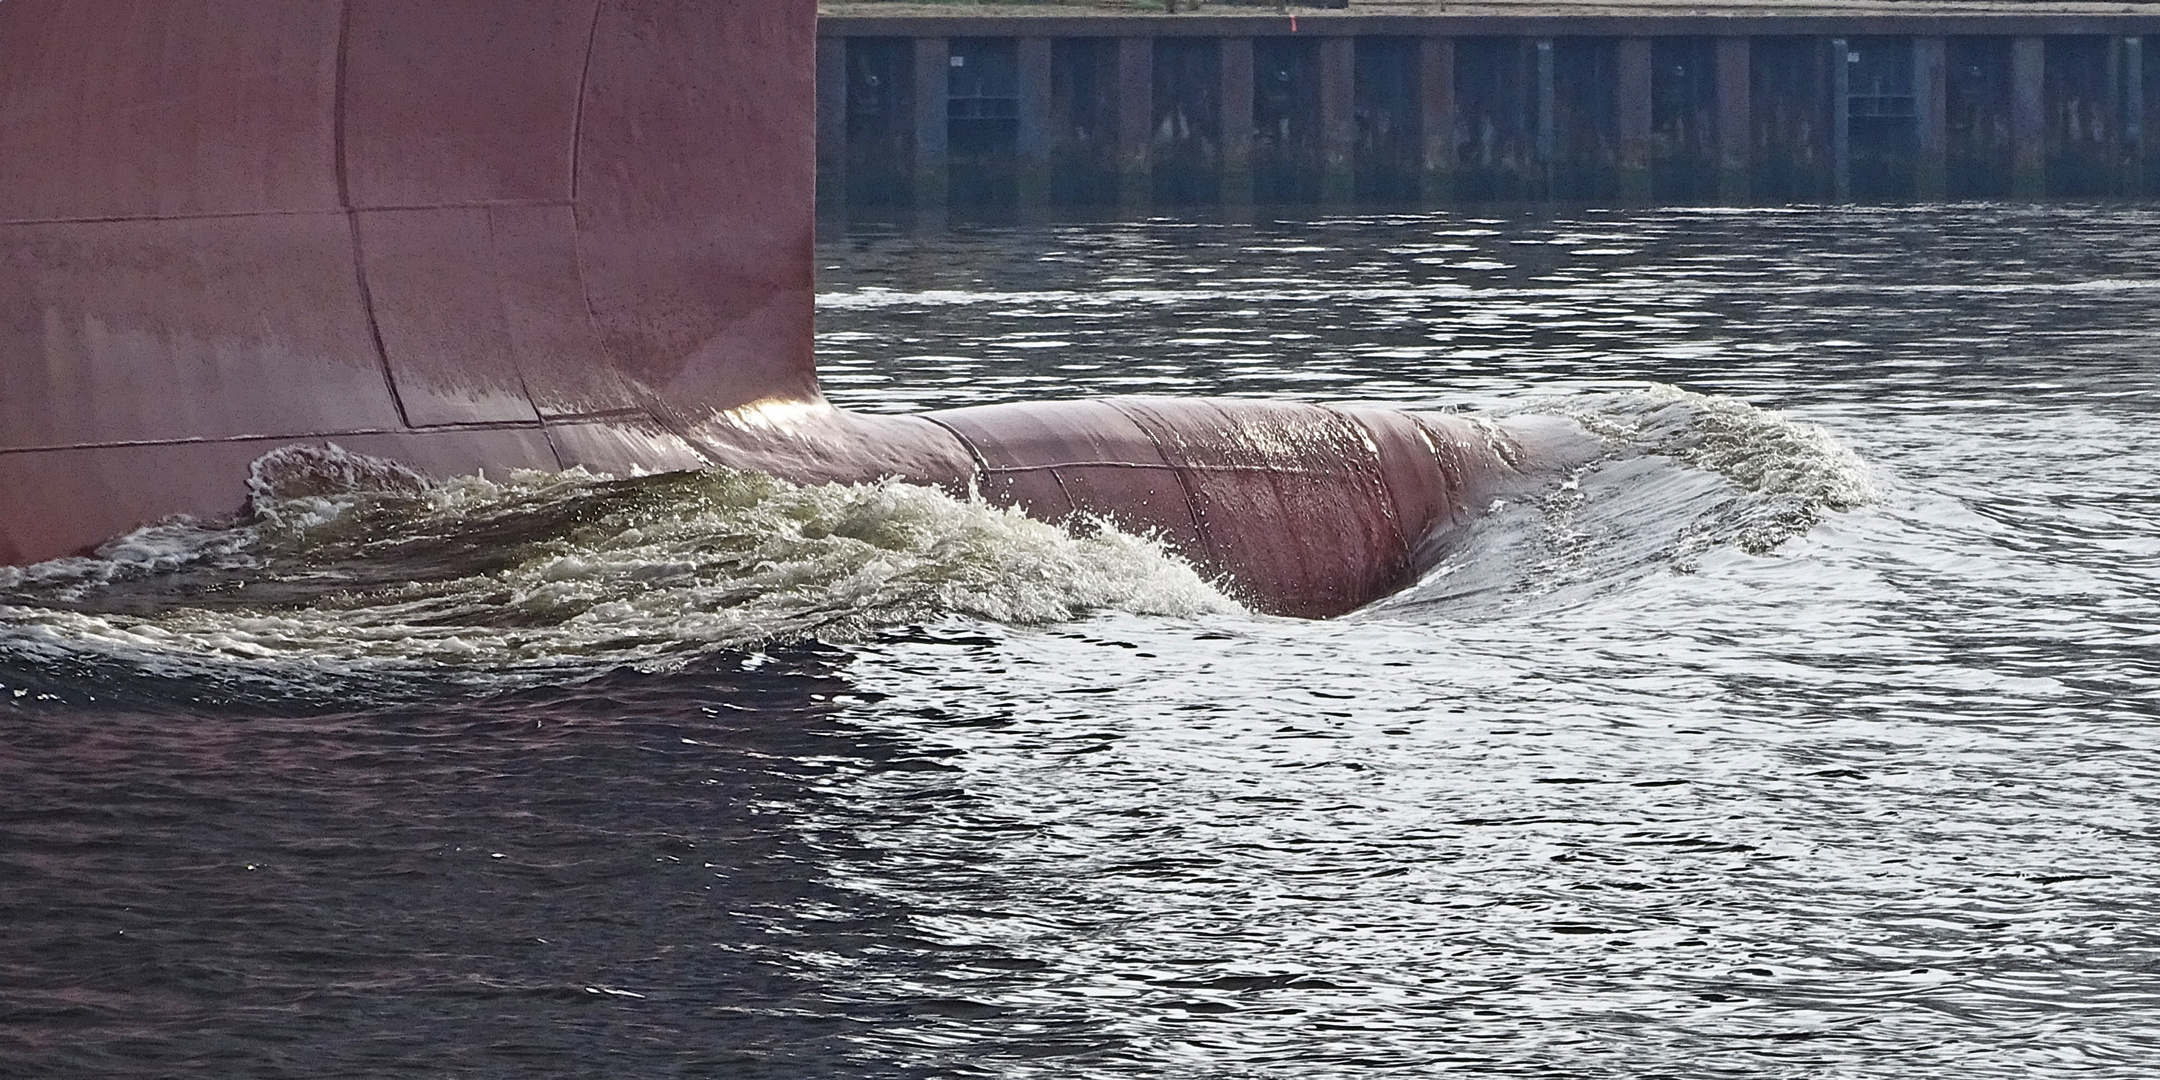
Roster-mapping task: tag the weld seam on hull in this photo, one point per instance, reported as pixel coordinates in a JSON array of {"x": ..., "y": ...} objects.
[
  {"x": 1268, "y": 470},
  {"x": 517, "y": 360},
  {"x": 647, "y": 405},
  {"x": 1403, "y": 541},
  {"x": 238, "y": 215},
  {"x": 983, "y": 471},
  {"x": 577, "y": 110},
  {"x": 485, "y": 425},
  {"x": 1215, "y": 555},
  {"x": 352, "y": 220}
]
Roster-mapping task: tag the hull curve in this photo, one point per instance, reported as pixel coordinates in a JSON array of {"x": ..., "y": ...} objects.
[{"x": 470, "y": 236}]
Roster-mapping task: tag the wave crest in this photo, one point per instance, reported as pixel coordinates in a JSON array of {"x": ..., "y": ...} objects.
[
  {"x": 1789, "y": 474},
  {"x": 347, "y": 564}
]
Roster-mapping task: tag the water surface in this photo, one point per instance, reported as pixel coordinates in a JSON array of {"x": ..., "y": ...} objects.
[{"x": 1811, "y": 733}]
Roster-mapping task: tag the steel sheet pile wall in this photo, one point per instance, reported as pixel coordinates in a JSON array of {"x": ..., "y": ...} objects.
[{"x": 1327, "y": 109}]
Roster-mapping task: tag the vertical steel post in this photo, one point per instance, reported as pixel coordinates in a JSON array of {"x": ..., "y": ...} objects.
[
  {"x": 1237, "y": 121},
  {"x": 1841, "y": 61},
  {"x": 933, "y": 80},
  {"x": 1632, "y": 67},
  {"x": 1031, "y": 139},
  {"x": 1338, "y": 119},
  {"x": 2112, "y": 108},
  {"x": 832, "y": 123},
  {"x": 1436, "y": 117},
  {"x": 1548, "y": 136},
  {"x": 1735, "y": 120},
  {"x": 1931, "y": 118},
  {"x": 2133, "y": 114},
  {"x": 2028, "y": 117},
  {"x": 1136, "y": 122}
]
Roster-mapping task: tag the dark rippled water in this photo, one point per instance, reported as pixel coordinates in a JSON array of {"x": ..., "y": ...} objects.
[{"x": 1813, "y": 733}]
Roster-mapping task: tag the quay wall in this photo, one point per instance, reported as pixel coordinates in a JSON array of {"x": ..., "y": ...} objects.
[{"x": 1140, "y": 111}]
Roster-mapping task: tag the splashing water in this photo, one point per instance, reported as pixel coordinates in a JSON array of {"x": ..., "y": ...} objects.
[
  {"x": 1793, "y": 473},
  {"x": 1782, "y": 477},
  {"x": 347, "y": 564},
  {"x": 1685, "y": 475},
  {"x": 1879, "y": 803}
]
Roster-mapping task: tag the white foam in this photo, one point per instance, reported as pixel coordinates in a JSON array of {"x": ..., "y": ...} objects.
[
  {"x": 548, "y": 570},
  {"x": 1770, "y": 478}
]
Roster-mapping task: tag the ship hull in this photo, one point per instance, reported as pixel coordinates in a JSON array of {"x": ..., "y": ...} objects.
[{"x": 471, "y": 236}]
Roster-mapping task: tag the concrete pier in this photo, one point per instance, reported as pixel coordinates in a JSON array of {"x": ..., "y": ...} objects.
[{"x": 1396, "y": 102}]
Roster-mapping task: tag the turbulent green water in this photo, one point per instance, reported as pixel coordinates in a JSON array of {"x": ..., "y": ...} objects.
[{"x": 1810, "y": 732}]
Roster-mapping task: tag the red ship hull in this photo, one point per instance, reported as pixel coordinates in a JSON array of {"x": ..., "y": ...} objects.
[{"x": 475, "y": 235}]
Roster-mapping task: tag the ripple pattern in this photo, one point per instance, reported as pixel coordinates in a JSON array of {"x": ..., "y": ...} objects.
[{"x": 1818, "y": 741}]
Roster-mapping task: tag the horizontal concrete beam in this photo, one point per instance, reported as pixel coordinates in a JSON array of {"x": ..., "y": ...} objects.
[{"x": 1631, "y": 25}]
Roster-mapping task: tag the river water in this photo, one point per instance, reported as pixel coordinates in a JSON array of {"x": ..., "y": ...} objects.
[{"x": 1812, "y": 732}]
